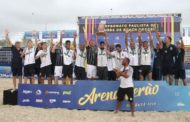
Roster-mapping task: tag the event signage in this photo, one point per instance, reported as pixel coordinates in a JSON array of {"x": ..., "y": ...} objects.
[{"x": 101, "y": 95}]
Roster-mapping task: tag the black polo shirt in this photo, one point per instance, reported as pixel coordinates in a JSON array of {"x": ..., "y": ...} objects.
[
  {"x": 179, "y": 59},
  {"x": 169, "y": 54},
  {"x": 16, "y": 57},
  {"x": 91, "y": 55},
  {"x": 158, "y": 57}
]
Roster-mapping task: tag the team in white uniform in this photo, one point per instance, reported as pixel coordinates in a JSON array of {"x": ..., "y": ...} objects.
[{"x": 101, "y": 60}]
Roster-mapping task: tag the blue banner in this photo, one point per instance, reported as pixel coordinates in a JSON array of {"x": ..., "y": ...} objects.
[
  {"x": 29, "y": 35},
  {"x": 69, "y": 33},
  {"x": 47, "y": 34},
  {"x": 101, "y": 95}
]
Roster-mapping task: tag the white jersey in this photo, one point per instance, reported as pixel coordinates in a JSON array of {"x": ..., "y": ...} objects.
[
  {"x": 102, "y": 58},
  {"x": 67, "y": 56},
  {"x": 29, "y": 56},
  {"x": 111, "y": 62},
  {"x": 145, "y": 58},
  {"x": 80, "y": 58},
  {"x": 119, "y": 56},
  {"x": 45, "y": 57},
  {"x": 133, "y": 56},
  {"x": 126, "y": 82}
]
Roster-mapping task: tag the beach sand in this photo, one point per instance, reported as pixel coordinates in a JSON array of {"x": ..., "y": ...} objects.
[{"x": 10, "y": 113}]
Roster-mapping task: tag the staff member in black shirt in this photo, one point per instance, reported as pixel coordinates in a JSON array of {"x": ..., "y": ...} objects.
[
  {"x": 169, "y": 53},
  {"x": 158, "y": 57},
  {"x": 16, "y": 63},
  {"x": 179, "y": 63}
]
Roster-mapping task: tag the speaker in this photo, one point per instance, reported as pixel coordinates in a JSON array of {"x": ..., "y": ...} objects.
[{"x": 10, "y": 97}]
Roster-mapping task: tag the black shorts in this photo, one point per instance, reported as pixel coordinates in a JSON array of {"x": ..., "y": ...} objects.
[
  {"x": 135, "y": 72},
  {"x": 145, "y": 70},
  {"x": 52, "y": 69},
  {"x": 180, "y": 74},
  {"x": 37, "y": 71},
  {"x": 80, "y": 73},
  {"x": 68, "y": 71},
  {"x": 16, "y": 71},
  {"x": 111, "y": 75},
  {"x": 29, "y": 70},
  {"x": 125, "y": 91},
  {"x": 45, "y": 71},
  {"x": 102, "y": 73},
  {"x": 168, "y": 70}
]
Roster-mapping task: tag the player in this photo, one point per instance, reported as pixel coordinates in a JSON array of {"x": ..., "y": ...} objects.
[
  {"x": 68, "y": 58},
  {"x": 133, "y": 52},
  {"x": 126, "y": 87},
  {"x": 58, "y": 51},
  {"x": 102, "y": 70},
  {"x": 91, "y": 53},
  {"x": 29, "y": 61},
  {"x": 80, "y": 54},
  {"x": 45, "y": 58},
  {"x": 111, "y": 63},
  {"x": 145, "y": 57}
]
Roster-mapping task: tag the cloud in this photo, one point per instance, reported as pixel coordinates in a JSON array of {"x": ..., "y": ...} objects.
[{"x": 24, "y": 15}]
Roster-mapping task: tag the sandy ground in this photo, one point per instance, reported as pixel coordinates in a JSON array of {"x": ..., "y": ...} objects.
[{"x": 31, "y": 114}]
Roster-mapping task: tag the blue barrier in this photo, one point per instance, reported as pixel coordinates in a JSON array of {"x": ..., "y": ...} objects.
[{"x": 101, "y": 95}]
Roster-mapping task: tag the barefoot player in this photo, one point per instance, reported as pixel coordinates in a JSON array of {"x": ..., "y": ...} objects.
[{"x": 126, "y": 85}]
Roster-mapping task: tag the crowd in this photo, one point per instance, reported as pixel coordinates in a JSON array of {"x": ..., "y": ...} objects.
[{"x": 92, "y": 60}]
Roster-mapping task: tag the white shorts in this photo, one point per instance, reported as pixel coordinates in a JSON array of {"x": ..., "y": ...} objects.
[
  {"x": 91, "y": 71},
  {"x": 58, "y": 71}
]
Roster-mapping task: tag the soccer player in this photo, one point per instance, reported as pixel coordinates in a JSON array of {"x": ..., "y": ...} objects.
[
  {"x": 29, "y": 61},
  {"x": 91, "y": 50},
  {"x": 102, "y": 70},
  {"x": 37, "y": 61},
  {"x": 133, "y": 52},
  {"x": 145, "y": 58},
  {"x": 16, "y": 60},
  {"x": 58, "y": 51},
  {"x": 45, "y": 58},
  {"x": 68, "y": 56},
  {"x": 179, "y": 63},
  {"x": 158, "y": 57},
  {"x": 80, "y": 54},
  {"x": 126, "y": 87},
  {"x": 111, "y": 64},
  {"x": 168, "y": 60},
  {"x": 119, "y": 55}
]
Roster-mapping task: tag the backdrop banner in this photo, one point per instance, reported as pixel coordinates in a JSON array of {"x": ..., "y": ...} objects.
[
  {"x": 101, "y": 95},
  {"x": 167, "y": 25}
]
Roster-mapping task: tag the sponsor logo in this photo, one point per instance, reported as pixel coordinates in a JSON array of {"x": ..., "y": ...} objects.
[
  {"x": 52, "y": 101},
  {"x": 180, "y": 104},
  {"x": 66, "y": 101},
  {"x": 66, "y": 92},
  {"x": 27, "y": 92},
  {"x": 39, "y": 100},
  {"x": 52, "y": 92},
  {"x": 26, "y": 100},
  {"x": 38, "y": 92}
]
